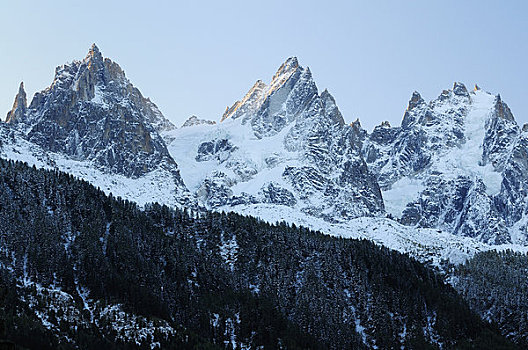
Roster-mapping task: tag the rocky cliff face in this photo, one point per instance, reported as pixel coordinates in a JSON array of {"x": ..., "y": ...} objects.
[
  {"x": 283, "y": 144},
  {"x": 92, "y": 112}
]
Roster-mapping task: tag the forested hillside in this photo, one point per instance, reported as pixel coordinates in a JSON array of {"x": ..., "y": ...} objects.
[
  {"x": 79, "y": 267},
  {"x": 495, "y": 284}
]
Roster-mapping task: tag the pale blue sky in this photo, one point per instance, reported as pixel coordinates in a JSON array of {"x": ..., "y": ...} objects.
[{"x": 197, "y": 57}]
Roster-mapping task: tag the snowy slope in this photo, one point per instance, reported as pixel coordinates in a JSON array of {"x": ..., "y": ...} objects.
[
  {"x": 467, "y": 159},
  {"x": 184, "y": 150},
  {"x": 156, "y": 186}
]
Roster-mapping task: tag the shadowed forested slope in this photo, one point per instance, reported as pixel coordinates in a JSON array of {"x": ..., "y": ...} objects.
[{"x": 79, "y": 267}]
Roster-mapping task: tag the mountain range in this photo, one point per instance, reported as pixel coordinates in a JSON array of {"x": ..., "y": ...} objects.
[
  {"x": 456, "y": 164},
  {"x": 447, "y": 183}
]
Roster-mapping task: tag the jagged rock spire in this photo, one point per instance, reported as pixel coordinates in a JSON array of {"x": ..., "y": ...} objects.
[
  {"x": 356, "y": 124},
  {"x": 285, "y": 71},
  {"x": 416, "y": 99},
  {"x": 502, "y": 110},
  {"x": 94, "y": 54},
  {"x": 19, "y": 106},
  {"x": 459, "y": 89},
  {"x": 331, "y": 109},
  {"x": 289, "y": 65},
  {"x": 92, "y": 112}
]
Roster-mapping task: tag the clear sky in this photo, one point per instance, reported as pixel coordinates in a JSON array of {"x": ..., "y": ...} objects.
[{"x": 197, "y": 57}]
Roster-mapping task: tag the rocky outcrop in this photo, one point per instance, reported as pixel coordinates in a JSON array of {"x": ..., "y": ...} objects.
[
  {"x": 460, "y": 206},
  {"x": 218, "y": 149},
  {"x": 194, "y": 120}
]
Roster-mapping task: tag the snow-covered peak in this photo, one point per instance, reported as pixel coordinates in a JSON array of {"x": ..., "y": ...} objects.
[
  {"x": 261, "y": 95},
  {"x": 456, "y": 96},
  {"x": 91, "y": 111},
  {"x": 428, "y": 130},
  {"x": 456, "y": 164},
  {"x": 284, "y": 144},
  {"x": 466, "y": 158},
  {"x": 101, "y": 82},
  {"x": 90, "y": 74},
  {"x": 289, "y": 96},
  {"x": 269, "y": 108}
]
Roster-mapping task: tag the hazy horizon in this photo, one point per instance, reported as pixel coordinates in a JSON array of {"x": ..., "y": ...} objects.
[{"x": 196, "y": 59}]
